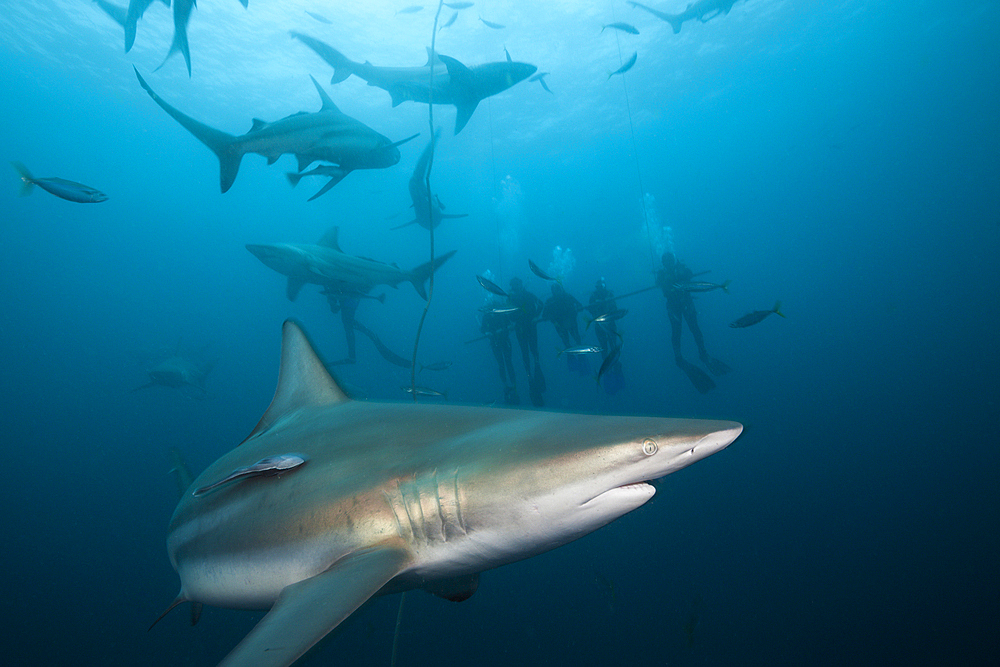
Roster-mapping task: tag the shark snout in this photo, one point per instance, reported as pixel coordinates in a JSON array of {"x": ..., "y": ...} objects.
[{"x": 716, "y": 441}]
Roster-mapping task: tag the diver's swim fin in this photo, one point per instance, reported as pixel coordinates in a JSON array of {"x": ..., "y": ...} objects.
[
  {"x": 715, "y": 366},
  {"x": 699, "y": 378}
]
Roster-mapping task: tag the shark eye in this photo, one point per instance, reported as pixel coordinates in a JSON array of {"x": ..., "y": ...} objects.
[{"x": 649, "y": 446}]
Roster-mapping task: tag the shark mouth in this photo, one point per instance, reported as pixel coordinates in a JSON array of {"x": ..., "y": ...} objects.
[{"x": 626, "y": 493}]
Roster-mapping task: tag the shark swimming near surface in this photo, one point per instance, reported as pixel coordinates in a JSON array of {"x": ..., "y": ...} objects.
[
  {"x": 330, "y": 501},
  {"x": 327, "y": 134},
  {"x": 326, "y": 264},
  {"x": 703, "y": 10},
  {"x": 454, "y": 83}
]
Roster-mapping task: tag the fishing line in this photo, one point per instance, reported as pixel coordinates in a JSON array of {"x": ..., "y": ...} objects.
[
  {"x": 395, "y": 634},
  {"x": 496, "y": 193},
  {"x": 635, "y": 150},
  {"x": 430, "y": 211}
]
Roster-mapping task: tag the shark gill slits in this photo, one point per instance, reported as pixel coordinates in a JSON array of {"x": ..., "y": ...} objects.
[{"x": 649, "y": 447}]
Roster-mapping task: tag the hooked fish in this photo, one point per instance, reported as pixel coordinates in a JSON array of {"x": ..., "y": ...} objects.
[
  {"x": 538, "y": 271},
  {"x": 491, "y": 287},
  {"x": 624, "y": 27},
  {"x": 613, "y": 316},
  {"x": 60, "y": 187},
  {"x": 699, "y": 286},
  {"x": 580, "y": 349},
  {"x": 627, "y": 66},
  {"x": 756, "y": 316}
]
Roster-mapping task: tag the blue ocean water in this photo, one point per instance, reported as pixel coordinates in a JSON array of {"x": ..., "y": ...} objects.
[{"x": 842, "y": 157}]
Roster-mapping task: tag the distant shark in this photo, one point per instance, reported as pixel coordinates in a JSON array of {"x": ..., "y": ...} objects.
[
  {"x": 454, "y": 83},
  {"x": 330, "y": 501},
  {"x": 428, "y": 211},
  {"x": 703, "y": 10},
  {"x": 326, "y": 264},
  {"x": 180, "y": 372},
  {"x": 327, "y": 134}
]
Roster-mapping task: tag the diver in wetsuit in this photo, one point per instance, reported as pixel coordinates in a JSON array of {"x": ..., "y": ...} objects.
[
  {"x": 496, "y": 327},
  {"x": 680, "y": 307},
  {"x": 528, "y": 307}
]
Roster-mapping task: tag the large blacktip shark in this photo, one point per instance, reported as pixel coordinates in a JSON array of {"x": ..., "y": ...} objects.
[
  {"x": 326, "y": 264},
  {"x": 328, "y": 134},
  {"x": 454, "y": 83},
  {"x": 330, "y": 501}
]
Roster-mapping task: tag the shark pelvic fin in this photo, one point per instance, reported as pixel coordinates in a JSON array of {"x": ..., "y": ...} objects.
[
  {"x": 302, "y": 380},
  {"x": 456, "y": 589},
  {"x": 306, "y": 611},
  {"x": 177, "y": 600}
]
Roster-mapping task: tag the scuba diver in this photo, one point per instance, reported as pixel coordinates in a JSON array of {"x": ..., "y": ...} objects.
[
  {"x": 680, "y": 306},
  {"x": 346, "y": 303},
  {"x": 496, "y": 327},
  {"x": 344, "y": 298},
  {"x": 602, "y": 302},
  {"x": 528, "y": 307},
  {"x": 561, "y": 309}
]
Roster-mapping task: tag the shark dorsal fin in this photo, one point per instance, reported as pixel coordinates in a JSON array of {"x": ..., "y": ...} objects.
[
  {"x": 328, "y": 104},
  {"x": 302, "y": 380},
  {"x": 257, "y": 124},
  {"x": 432, "y": 58},
  {"x": 329, "y": 239}
]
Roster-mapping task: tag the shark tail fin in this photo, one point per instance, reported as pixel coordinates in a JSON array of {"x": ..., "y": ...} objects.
[
  {"x": 725, "y": 286},
  {"x": 27, "y": 180},
  {"x": 342, "y": 67},
  {"x": 420, "y": 274},
  {"x": 777, "y": 309},
  {"x": 225, "y": 146}
]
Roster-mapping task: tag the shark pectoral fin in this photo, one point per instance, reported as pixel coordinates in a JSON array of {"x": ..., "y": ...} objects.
[
  {"x": 329, "y": 184},
  {"x": 305, "y": 612},
  {"x": 464, "y": 109},
  {"x": 294, "y": 287}
]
